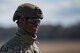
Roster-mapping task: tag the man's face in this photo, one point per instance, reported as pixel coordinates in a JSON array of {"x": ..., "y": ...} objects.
[
  {"x": 33, "y": 25},
  {"x": 30, "y": 25}
]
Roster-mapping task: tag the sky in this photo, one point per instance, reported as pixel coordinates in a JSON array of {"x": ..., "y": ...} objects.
[{"x": 55, "y": 12}]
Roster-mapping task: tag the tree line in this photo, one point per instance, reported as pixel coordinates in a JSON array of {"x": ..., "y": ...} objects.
[{"x": 46, "y": 32}]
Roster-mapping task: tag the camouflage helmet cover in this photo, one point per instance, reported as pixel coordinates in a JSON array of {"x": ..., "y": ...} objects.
[{"x": 28, "y": 11}]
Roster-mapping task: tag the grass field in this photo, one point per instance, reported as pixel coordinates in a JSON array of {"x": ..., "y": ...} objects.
[{"x": 59, "y": 46}]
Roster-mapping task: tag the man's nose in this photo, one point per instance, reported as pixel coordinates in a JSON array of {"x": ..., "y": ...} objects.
[{"x": 37, "y": 23}]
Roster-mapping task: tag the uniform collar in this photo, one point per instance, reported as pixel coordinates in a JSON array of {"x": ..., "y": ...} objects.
[{"x": 26, "y": 37}]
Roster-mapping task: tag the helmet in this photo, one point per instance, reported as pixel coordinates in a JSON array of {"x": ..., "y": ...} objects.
[{"x": 28, "y": 11}]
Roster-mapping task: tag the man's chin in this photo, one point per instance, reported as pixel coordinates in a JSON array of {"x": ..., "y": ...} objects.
[{"x": 34, "y": 32}]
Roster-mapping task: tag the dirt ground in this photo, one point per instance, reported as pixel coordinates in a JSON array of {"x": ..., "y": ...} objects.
[
  {"x": 67, "y": 46},
  {"x": 59, "y": 46}
]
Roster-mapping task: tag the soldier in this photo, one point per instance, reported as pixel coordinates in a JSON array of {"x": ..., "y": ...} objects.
[{"x": 28, "y": 18}]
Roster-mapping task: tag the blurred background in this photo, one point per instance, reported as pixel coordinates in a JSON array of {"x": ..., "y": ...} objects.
[{"x": 59, "y": 31}]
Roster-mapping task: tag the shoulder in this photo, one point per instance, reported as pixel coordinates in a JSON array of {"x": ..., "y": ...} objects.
[
  {"x": 10, "y": 45},
  {"x": 35, "y": 48}
]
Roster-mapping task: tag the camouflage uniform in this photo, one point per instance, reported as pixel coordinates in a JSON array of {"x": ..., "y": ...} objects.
[{"x": 23, "y": 41}]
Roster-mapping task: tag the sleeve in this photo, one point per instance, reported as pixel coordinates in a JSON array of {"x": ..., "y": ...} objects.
[
  {"x": 11, "y": 46},
  {"x": 9, "y": 49},
  {"x": 6, "y": 49}
]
